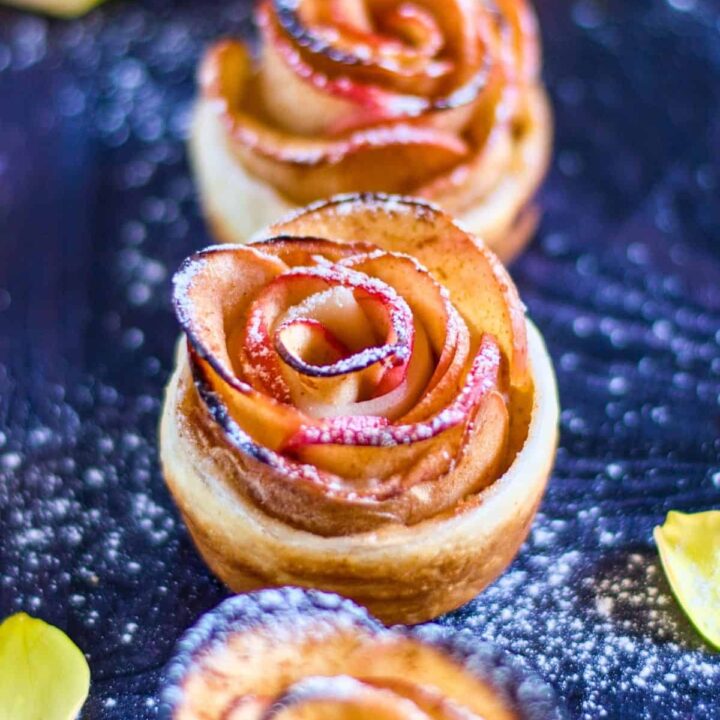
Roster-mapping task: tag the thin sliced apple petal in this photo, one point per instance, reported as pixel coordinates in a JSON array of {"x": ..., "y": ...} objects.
[
  {"x": 212, "y": 293},
  {"x": 43, "y": 674},
  {"x": 689, "y": 548},
  {"x": 524, "y": 37},
  {"x": 433, "y": 311},
  {"x": 478, "y": 285},
  {"x": 371, "y": 447},
  {"x": 294, "y": 251},
  {"x": 382, "y": 158},
  {"x": 305, "y": 167}
]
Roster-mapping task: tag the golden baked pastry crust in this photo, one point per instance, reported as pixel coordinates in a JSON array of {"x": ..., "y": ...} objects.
[{"x": 257, "y": 529}]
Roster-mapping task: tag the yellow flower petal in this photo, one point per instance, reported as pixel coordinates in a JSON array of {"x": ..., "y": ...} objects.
[
  {"x": 43, "y": 674},
  {"x": 60, "y": 8},
  {"x": 690, "y": 552}
]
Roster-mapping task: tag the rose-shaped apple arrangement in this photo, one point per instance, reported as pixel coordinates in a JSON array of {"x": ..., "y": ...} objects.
[
  {"x": 350, "y": 417},
  {"x": 439, "y": 99},
  {"x": 297, "y": 655}
]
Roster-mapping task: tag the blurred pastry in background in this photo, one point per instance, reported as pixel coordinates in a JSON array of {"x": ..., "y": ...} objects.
[{"x": 439, "y": 99}]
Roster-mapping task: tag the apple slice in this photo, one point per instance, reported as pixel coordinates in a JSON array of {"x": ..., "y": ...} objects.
[
  {"x": 372, "y": 159},
  {"x": 432, "y": 310},
  {"x": 306, "y": 347},
  {"x": 252, "y": 345},
  {"x": 212, "y": 293},
  {"x": 379, "y": 312},
  {"x": 310, "y": 343},
  {"x": 429, "y": 700},
  {"x": 349, "y": 13},
  {"x": 388, "y": 405},
  {"x": 302, "y": 165},
  {"x": 286, "y": 81},
  {"x": 416, "y": 26},
  {"x": 361, "y": 330},
  {"x": 456, "y": 22},
  {"x": 379, "y": 81},
  {"x": 347, "y": 43},
  {"x": 336, "y": 307},
  {"x": 478, "y": 286},
  {"x": 523, "y": 38},
  {"x": 294, "y": 251},
  {"x": 372, "y": 447}
]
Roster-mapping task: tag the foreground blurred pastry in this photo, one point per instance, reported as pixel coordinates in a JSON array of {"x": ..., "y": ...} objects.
[
  {"x": 433, "y": 98},
  {"x": 299, "y": 655},
  {"x": 347, "y": 417}
]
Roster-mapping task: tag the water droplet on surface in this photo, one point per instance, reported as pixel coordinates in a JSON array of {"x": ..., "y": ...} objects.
[
  {"x": 618, "y": 385},
  {"x": 133, "y": 338},
  {"x": 11, "y": 460},
  {"x": 94, "y": 477}
]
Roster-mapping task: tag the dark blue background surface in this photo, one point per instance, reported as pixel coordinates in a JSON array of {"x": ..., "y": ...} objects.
[{"x": 97, "y": 210}]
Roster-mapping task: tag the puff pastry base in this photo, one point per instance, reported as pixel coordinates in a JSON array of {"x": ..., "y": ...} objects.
[{"x": 401, "y": 573}]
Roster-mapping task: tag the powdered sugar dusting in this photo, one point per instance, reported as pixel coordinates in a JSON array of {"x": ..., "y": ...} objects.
[
  {"x": 622, "y": 281},
  {"x": 607, "y": 620},
  {"x": 399, "y": 313}
]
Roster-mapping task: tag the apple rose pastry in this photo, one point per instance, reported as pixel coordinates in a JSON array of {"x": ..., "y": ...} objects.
[
  {"x": 439, "y": 99},
  {"x": 303, "y": 655},
  {"x": 348, "y": 417}
]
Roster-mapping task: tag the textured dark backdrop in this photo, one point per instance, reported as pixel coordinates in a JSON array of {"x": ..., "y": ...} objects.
[{"x": 97, "y": 210}]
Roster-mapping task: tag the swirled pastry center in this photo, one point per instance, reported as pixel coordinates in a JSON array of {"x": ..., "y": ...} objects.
[{"x": 352, "y": 376}]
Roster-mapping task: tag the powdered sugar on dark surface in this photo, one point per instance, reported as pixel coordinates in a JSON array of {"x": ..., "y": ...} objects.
[{"x": 97, "y": 210}]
